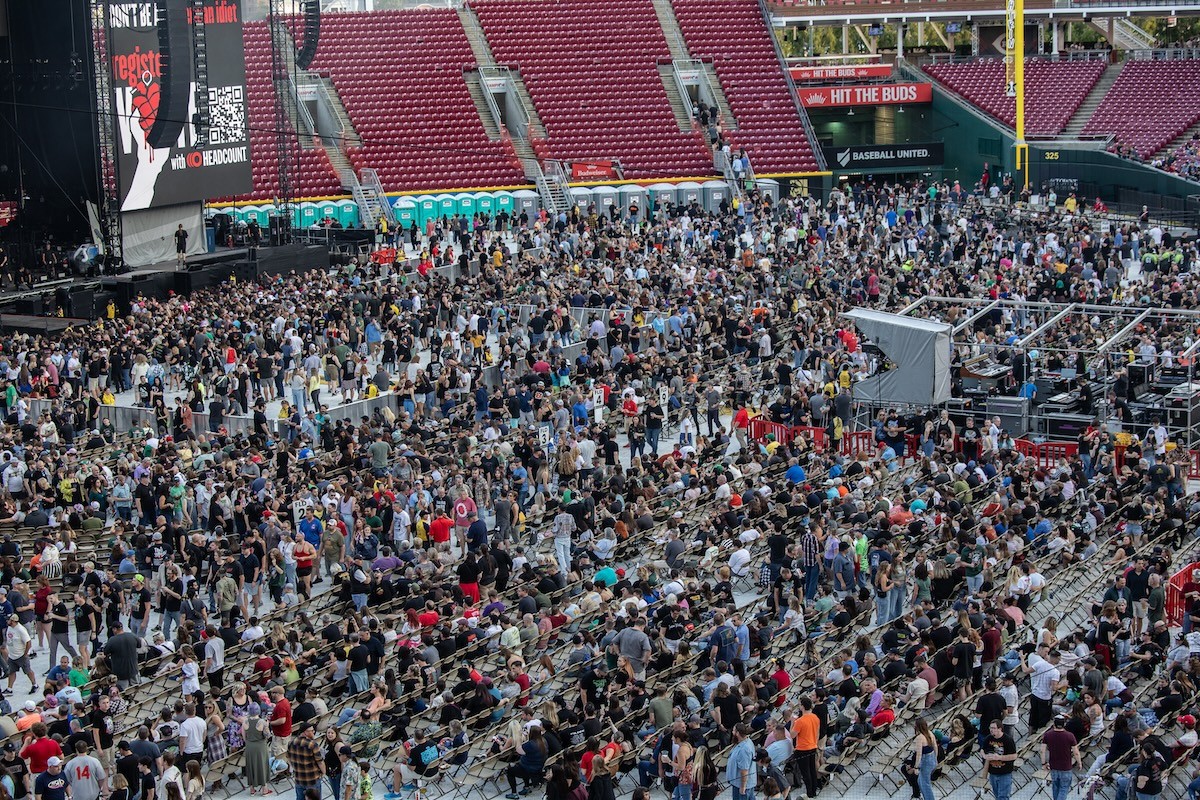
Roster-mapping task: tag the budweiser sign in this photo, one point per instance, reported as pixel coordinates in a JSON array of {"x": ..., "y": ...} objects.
[
  {"x": 884, "y": 94},
  {"x": 593, "y": 170},
  {"x": 841, "y": 73}
]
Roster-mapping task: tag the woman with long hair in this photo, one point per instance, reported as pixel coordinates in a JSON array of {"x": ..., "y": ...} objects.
[
  {"x": 531, "y": 760},
  {"x": 704, "y": 776},
  {"x": 924, "y": 750}
]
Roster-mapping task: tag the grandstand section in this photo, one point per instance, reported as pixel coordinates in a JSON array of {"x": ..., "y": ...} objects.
[
  {"x": 315, "y": 176},
  {"x": 409, "y": 102},
  {"x": 591, "y": 69},
  {"x": 1151, "y": 103},
  {"x": 734, "y": 35},
  {"x": 1054, "y": 89}
]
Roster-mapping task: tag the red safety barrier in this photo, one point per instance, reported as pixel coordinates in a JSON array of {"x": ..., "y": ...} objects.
[
  {"x": 858, "y": 442},
  {"x": 814, "y": 434},
  {"x": 1175, "y": 602},
  {"x": 1049, "y": 453},
  {"x": 912, "y": 446},
  {"x": 1025, "y": 447},
  {"x": 759, "y": 428}
]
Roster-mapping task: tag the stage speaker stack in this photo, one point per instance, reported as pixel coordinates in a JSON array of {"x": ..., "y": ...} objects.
[
  {"x": 312, "y": 31},
  {"x": 279, "y": 231},
  {"x": 174, "y": 51},
  {"x": 246, "y": 271}
]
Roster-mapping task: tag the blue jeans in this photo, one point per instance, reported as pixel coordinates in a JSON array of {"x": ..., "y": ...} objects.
[
  {"x": 746, "y": 795},
  {"x": 897, "y": 597},
  {"x": 359, "y": 600},
  {"x": 1193, "y": 789},
  {"x": 974, "y": 583},
  {"x": 925, "y": 775},
  {"x": 301, "y": 789},
  {"x": 812, "y": 579},
  {"x": 681, "y": 792},
  {"x": 335, "y": 783},
  {"x": 883, "y": 608},
  {"x": 652, "y": 435},
  {"x": 359, "y": 681},
  {"x": 1001, "y": 785},
  {"x": 170, "y": 620},
  {"x": 1060, "y": 783}
]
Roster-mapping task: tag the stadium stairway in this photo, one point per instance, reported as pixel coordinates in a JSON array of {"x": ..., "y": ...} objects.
[
  {"x": 671, "y": 30},
  {"x": 667, "y": 73},
  {"x": 1179, "y": 141},
  {"x": 1090, "y": 103}
]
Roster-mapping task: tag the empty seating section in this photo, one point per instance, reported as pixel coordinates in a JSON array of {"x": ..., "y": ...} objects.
[
  {"x": 400, "y": 76},
  {"x": 734, "y": 35},
  {"x": 1151, "y": 103},
  {"x": 312, "y": 174},
  {"x": 1053, "y": 90},
  {"x": 590, "y": 67}
]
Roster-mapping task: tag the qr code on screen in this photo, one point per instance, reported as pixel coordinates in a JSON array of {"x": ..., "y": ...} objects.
[{"x": 227, "y": 115}]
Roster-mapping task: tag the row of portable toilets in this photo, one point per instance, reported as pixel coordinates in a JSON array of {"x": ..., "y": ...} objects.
[{"x": 419, "y": 208}]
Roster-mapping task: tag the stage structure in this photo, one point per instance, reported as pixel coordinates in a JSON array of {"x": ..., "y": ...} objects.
[
  {"x": 172, "y": 120},
  {"x": 1061, "y": 348},
  {"x": 919, "y": 354}
]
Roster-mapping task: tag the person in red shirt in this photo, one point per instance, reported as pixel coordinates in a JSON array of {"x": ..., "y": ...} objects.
[
  {"x": 281, "y": 721},
  {"x": 439, "y": 529},
  {"x": 429, "y": 617},
  {"x": 40, "y": 749},
  {"x": 516, "y": 671},
  {"x": 782, "y": 681},
  {"x": 264, "y": 665},
  {"x": 885, "y": 715}
]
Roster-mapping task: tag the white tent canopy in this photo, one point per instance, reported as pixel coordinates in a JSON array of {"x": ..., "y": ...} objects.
[{"x": 919, "y": 349}]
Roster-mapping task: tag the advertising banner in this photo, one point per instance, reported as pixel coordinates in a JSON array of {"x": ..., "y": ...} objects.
[
  {"x": 841, "y": 72},
  {"x": 884, "y": 94},
  {"x": 593, "y": 170},
  {"x": 184, "y": 171},
  {"x": 885, "y": 156}
]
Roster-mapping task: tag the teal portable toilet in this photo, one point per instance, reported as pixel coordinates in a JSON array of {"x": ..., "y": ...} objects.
[
  {"x": 328, "y": 210},
  {"x": 347, "y": 213},
  {"x": 504, "y": 202},
  {"x": 239, "y": 214},
  {"x": 404, "y": 209},
  {"x": 426, "y": 209},
  {"x": 485, "y": 204},
  {"x": 466, "y": 205},
  {"x": 308, "y": 215},
  {"x": 447, "y": 206},
  {"x": 256, "y": 213}
]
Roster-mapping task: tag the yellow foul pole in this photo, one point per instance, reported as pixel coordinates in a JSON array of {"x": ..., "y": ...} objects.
[{"x": 1015, "y": 39}]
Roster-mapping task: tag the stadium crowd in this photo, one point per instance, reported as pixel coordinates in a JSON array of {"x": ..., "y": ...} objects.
[{"x": 559, "y": 579}]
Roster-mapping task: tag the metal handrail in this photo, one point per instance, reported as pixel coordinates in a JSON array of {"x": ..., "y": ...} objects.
[
  {"x": 342, "y": 131},
  {"x": 1165, "y": 54},
  {"x": 488, "y": 97},
  {"x": 301, "y": 111},
  {"x": 1068, "y": 55},
  {"x": 681, "y": 87},
  {"x": 809, "y": 132}
]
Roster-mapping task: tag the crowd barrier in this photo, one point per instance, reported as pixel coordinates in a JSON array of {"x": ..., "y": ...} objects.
[{"x": 1176, "y": 604}]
